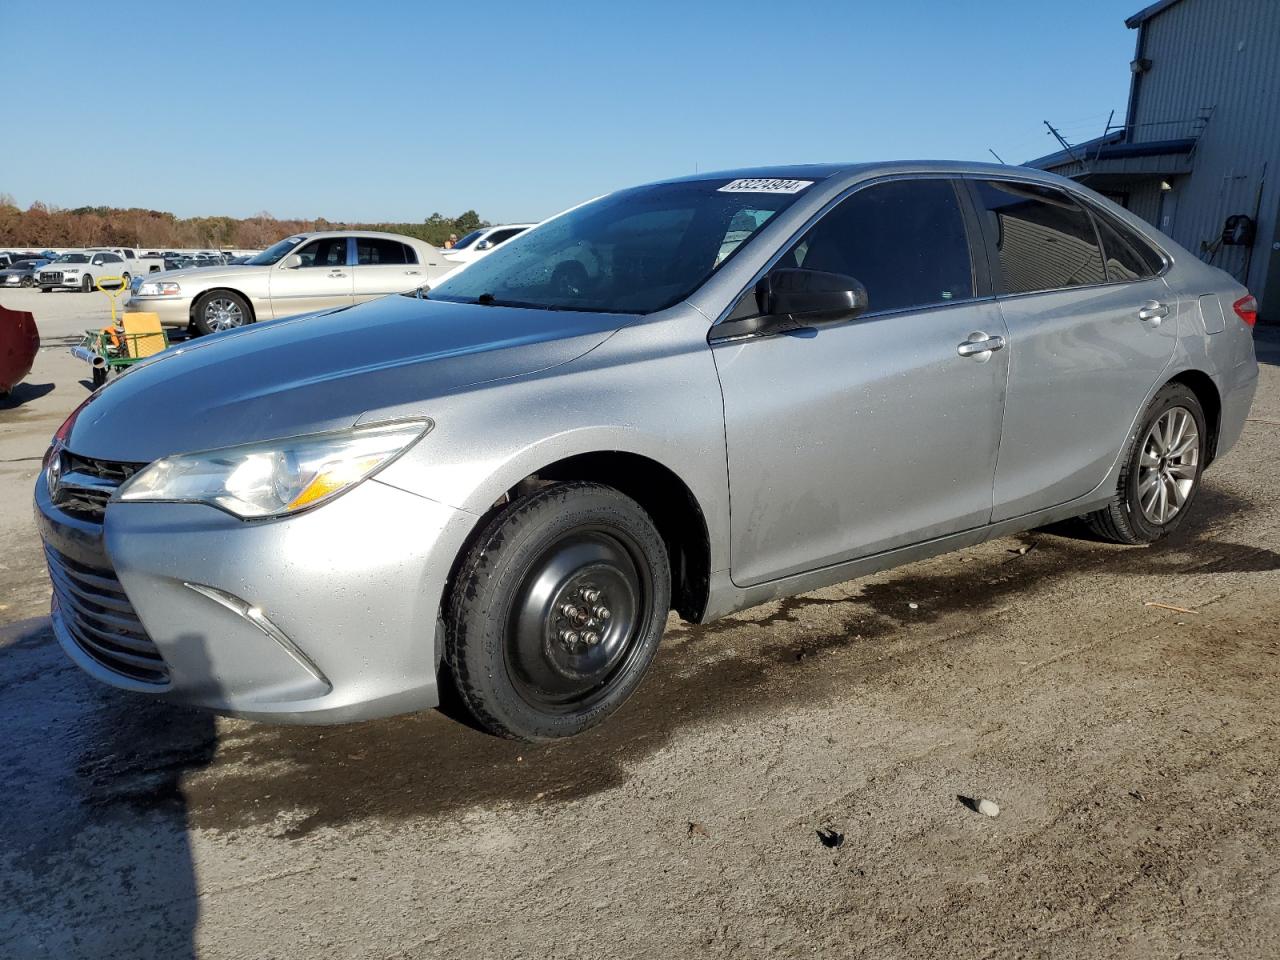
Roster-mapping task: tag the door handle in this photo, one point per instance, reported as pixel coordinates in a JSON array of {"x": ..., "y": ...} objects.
[
  {"x": 411, "y": 273},
  {"x": 980, "y": 346},
  {"x": 1153, "y": 311}
]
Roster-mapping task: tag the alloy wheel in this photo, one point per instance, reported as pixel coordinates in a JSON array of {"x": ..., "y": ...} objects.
[
  {"x": 223, "y": 313},
  {"x": 1168, "y": 465}
]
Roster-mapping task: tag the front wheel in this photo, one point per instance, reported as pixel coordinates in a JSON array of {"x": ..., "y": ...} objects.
[
  {"x": 557, "y": 611},
  {"x": 1162, "y": 474},
  {"x": 222, "y": 310},
  {"x": 86, "y": 284}
]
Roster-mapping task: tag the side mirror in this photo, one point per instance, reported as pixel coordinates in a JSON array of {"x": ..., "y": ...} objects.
[
  {"x": 293, "y": 261},
  {"x": 484, "y": 245},
  {"x": 795, "y": 298}
]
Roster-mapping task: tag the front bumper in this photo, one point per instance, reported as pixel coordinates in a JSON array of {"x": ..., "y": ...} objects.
[
  {"x": 346, "y": 599},
  {"x": 66, "y": 283},
  {"x": 172, "y": 311}
]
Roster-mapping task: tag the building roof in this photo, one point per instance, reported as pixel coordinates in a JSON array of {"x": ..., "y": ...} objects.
[{"x": 1147, "y": 12}]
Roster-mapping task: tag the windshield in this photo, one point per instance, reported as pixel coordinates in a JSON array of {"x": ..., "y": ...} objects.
[
  {"x": 72, "y": 258},
  {"x": 635, "y": 251},
  {"x": 274, "y": 253},
  {"x": 468, "y": 240}
]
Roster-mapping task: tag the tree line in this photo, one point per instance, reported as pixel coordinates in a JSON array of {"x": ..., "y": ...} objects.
[{"x": 42, "y": 225}]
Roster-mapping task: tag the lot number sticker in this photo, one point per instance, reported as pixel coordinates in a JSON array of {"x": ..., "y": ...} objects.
[{"x": 765, "y": 186}]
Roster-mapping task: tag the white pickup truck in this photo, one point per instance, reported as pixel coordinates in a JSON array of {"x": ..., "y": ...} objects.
[{"x": 134, "y": 265}]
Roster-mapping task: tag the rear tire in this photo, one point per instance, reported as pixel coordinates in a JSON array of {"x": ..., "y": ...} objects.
[
  {"x": 1162, "y": 471},
  {"x": 557, "y": 610},
  {"x": 99, "y": 377}
]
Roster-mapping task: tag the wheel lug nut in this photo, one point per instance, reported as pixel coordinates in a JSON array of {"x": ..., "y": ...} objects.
[
  {"x": 570, "y": 611},
  {"x": 602, "y": 612},
  {"x": 569, "y": 636},
  {"x": 591, "y": 596},
  {"x": 590, "y": 638}
]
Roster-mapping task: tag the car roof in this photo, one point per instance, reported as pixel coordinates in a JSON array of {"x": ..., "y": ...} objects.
[
  {"x": 316, "y": 234},
  {"x": 827, "y": 171}
]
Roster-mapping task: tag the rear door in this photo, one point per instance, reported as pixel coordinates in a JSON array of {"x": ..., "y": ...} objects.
[
  {"x": 324, "y": 279},
  {"x": 1091, "y": 330},
  {"x": 849, "y": 439},
  {"x": 384, "y": 266}
]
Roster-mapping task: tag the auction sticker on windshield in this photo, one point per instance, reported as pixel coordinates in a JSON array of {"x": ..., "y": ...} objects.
[{"x": 761, "y": 185}]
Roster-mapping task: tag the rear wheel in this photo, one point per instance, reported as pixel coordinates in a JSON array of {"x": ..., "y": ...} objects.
[
  {"x": 1162, "y": 475},
  {"x": 221, "y": 310},
  {"x": 557, "y": 611}
]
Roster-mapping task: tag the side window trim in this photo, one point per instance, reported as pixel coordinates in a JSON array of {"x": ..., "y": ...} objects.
[{"x": 961, "y": 194}]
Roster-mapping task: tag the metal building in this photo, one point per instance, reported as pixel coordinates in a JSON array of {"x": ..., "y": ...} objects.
[{"x": 1199, "y": 152}]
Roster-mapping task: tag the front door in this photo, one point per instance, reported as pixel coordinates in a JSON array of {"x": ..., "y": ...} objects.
[
  {"x": 322, "y": 281},
  {"x": 850, "y": 439},
  {"x": 1091, "y": 329}
]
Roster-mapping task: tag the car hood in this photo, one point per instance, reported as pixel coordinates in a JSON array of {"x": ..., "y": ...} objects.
[
  {"x": 322, "y": 372},
  {"x": 198, "y": 273}
]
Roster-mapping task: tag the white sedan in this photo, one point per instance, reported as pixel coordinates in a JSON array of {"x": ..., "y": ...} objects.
[{"x": 480, "y": 243}]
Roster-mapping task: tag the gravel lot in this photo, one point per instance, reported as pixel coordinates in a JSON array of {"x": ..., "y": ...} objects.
[{"x": 1133, "y": 751}]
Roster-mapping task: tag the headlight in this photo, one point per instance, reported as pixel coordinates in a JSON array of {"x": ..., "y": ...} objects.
[
  {"x": 156, "y": 288},
  {"x": 277, "y": 478}
]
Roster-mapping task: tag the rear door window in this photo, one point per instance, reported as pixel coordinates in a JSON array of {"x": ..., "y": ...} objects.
[
  {"x": 1044, "y": 240},
  {"x": 904, "y": 240},
  {"x": 372, "y": 251}
]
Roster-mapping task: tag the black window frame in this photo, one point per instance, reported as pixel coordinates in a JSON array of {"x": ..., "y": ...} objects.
[{"x": 975, "y": 240}]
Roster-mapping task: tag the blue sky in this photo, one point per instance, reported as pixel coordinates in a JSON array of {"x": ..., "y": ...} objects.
[{"x": 389, "y": 111}]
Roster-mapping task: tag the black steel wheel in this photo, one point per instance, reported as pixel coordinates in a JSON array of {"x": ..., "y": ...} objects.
[{"x": 557, "y": 611}]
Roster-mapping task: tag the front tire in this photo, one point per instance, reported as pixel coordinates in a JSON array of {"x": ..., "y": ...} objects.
[
  {"x": 1162, "y": 474},
  {"x": 557, "y": 610},
  {"x": 222, "y": 310},
  {"x": 86, "y": 284}
]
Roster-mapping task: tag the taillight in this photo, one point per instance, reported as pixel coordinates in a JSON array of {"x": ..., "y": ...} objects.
[{"x": 1246, "y": 309}]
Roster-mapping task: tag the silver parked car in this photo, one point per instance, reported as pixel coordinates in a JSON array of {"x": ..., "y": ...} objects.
[
  {"x": 302, "y": 273},
  {"x": 696, "y": 395}
]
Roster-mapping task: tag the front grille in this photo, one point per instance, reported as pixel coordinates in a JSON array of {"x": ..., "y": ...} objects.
[
  {"x": 85, "y": 485},
  {"x": 52, "y": 276},
  {"x": 93, "y": 608}
]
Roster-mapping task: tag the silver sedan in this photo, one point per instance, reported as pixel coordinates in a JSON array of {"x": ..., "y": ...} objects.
[
  {"x": 697, "y": 395},
  {"x": 302, "y": 273}
]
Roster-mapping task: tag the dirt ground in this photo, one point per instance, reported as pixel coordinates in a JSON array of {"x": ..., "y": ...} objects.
[{"x": 1132, "y": 749}]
